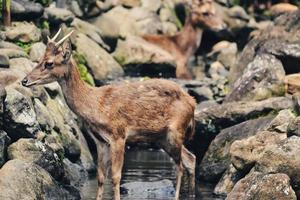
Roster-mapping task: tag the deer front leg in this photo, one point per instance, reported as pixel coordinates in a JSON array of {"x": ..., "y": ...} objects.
[
  {"x": 117, "y": 149},
  {"x": 102, "y": 167}
]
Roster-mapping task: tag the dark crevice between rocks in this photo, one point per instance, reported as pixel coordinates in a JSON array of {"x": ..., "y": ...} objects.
[
  {"x": 150, "y": 70},
  {"x": 290, "y": 64}
]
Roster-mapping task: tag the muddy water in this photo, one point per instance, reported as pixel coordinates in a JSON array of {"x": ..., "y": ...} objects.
[{"x": 144, "y": 167}]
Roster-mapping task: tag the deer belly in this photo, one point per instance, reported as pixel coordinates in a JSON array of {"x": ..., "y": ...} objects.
[{"x": 145, "y": 137}]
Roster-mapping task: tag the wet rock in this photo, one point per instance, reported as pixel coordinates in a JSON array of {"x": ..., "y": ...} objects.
[
  {"x": 217, "y": 158},
  {"x": 74, "y": 173},
  {"x": 101, "y": 63},
  {"x": 24, "y": 9},
  {"x": 4, "y": 61},
  {"x": 21, "y": 64},
  {"x": 123, "y": 22},
  {"x": 37, "y": 50},
  {"x": 34, "y": 151},
  {"x": 259, "y": 186},
  {"x": 230, "y": 177},
  {"x": 135, "y": 51},
  {"x": 228, "y": 114},
  {"x": 263, "y": 78},
  {"x": 19, "y": 116},
  {"x": 13, "y": 53},
  {"x": 4, "y": 142},
  {"x": 23, "y": 32},
  {"x": 90, "y": 30},
  {"x": 140, "y": 190},
  {"x": 29, "y": 180},
  {"x": 283, "y": 158},
  {"x": 59, "y": 15},
  {"x": 245, "y": 153}
]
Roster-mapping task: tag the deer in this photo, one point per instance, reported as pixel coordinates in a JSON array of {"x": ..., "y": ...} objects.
[
  {"x": 183, "y": 45},
  {"x": 156, "y": 110}
]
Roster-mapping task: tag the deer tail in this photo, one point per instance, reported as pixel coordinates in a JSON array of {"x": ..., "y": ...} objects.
[{"x": 190, "y": 130}]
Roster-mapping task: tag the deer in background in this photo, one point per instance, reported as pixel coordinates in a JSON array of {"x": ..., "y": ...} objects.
[
  {"x": 183, "y": 45},
  {"x": 156, "y": 111}
]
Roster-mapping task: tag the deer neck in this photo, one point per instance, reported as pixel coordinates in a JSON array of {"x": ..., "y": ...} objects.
[
  {"x": 190, "y": 36},
  {"x": 78, "y": 95}
]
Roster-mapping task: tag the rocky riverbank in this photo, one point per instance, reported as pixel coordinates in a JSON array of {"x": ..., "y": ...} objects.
[{"x": 247, "y": 130}]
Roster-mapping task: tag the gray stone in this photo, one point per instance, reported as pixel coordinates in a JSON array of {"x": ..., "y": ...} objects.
[
  {"x": 101, "y": 63},
  {"x": 35, "y": 151},
  {"x": 294, "y": 127},
  {"x": 4, "y": 61},
  {"x": 43, "y": 115},
  {"x": 21, "y": 64},
  {"x": 23, "y": 32},
  {"x": 20, "y": 179},
  {"x": 4, "y": 142},
  {"x": 259, "y": 186},
  {"x": 75, "y": 173},
  {"x": 24, "y": 9},
  {"x": 37, "y": 51},
  {"x": 59, "y": 15},
  {"x": 19, "y": 116},
  {"x": 9, "y": 45},
  {"x": 9, "y": 76},
  {"x": 13, "y": 53},
  {"x": 152, "y": 5}
]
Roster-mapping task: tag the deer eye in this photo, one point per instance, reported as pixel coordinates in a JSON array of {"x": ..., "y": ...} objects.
[
  {"x": 206, "y": 14},
  {"x": 49, "y": 65}
]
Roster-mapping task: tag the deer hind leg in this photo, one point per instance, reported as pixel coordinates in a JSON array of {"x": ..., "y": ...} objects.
[
  {"x": 117, "y": 159},
  {"x": 102, "y": 167},
  {"x": 189, "y": 163}
]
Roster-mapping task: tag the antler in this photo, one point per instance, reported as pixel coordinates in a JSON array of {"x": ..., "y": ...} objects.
[
  {"x": 55, "y": 36},
  {"x": 63, "y": 39}
]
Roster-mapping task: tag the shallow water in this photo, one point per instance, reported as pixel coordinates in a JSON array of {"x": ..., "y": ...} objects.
[{"x": 146, "y": 165}]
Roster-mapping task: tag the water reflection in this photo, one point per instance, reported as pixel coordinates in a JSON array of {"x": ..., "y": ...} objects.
[{"x": 146, "y": 165}]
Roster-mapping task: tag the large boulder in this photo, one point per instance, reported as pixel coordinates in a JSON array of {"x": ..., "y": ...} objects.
[
  {"x": 25, "y": 9},
  {"x": 259, "y": 186},
  {"x": 58, "y": 15},
  {"x": 101, "y": 63},
  {"x": 21, "y": 64},
  {"x": 13, "y": 53},
  {"x": 4, "y": 141},
  {"x": 143, "y": 56},
  {"x": 23, "y": 180},
  {"x": 262, "y": 79},
  {"x": 283, "y": 158},
  {"x": 23, "y": 32},
  {"x": 37, "y": 51},
  {"x": 19, "y": 116}
]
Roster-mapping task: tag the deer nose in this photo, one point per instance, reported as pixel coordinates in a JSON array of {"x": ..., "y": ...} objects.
[{"x": 24, "y": 81}]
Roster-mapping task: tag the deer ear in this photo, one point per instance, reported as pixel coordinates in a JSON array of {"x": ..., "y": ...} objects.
[{"x": 67, "y": 51}]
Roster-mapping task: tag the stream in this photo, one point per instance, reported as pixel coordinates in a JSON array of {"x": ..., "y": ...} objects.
[{"x": 148, "y": 173}]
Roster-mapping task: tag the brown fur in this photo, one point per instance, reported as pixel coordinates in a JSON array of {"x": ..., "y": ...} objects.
[
  {"x": 150, "y": 111},
  {"x": 185, "y": 43}
]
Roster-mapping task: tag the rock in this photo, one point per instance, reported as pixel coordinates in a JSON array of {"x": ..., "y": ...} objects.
[
  {"x": 24, "y": 9},
  {"x": 102, "y": 64},
  {"x": 13, "y": 53},
  {"x": 36, "y": 152},
  {"x": 43, "y": 115},
  {"x": 23, "y": 32},
  {"x": 281, "y": 8},
  {"x": 130, "y": 3},
  {"x": 293, "y": 127},
  {"x": 37, "y": 51},
  {"x": 75, "y": 173},
  {"x": 279, "y": 38},
  {"x": 21, "y": 64},
  {"x": 217, "y": 158},
  {"x": 232, "y": 113},
  {"x": 230, "y": 177},
  {"x": 217, "y": 70},
  {"x": 282, "y": 120},
  {"x": 90, "y": 30},
  {"x": 135, "y": 51},
  {"x": 152, "y": 5},
  {"x": 155, "y": 189},
  {"x": 245, "y": 153},
  {"x": 29, "y": 180},
  {"x": 9, "y": 76},
  {"x": 259, "y": 186},
  {"x": 19, "y": 116},
  {"x": 282, "y": 158},
  {"x": 4, "y": 142},
  {"x": 292, "y": 83},
  {"x": 4, "y": 61},
  {"x": 2, "y": 98},
  {"x": 9, "y": 45},
  {"x": 263, "y": 78},
  {"x": 201, "y": 93},
  {"x": 123, "y": 22},
  {"x": 59, "y": 15}
]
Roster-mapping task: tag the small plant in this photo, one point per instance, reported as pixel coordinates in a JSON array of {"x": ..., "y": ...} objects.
[
  {"x": 25, "y": 46},
  {"x": 81, "y": 65}
]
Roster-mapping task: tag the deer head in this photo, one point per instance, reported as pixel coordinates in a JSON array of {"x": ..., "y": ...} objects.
[
  {"x": 203, "y": 14},
  {"x": 54, "y": 64}
]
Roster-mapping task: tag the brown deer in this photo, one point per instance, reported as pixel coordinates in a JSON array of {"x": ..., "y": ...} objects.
[
  {"x": 183, "y": 45},
  {"x": 156, "y": 111}
]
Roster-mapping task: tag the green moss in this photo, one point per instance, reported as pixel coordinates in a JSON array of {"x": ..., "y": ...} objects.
[
  {"x": 81, "y": 65},
  {"x": 177, "y": 21},
  {"x": 25, "y": 46}
]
